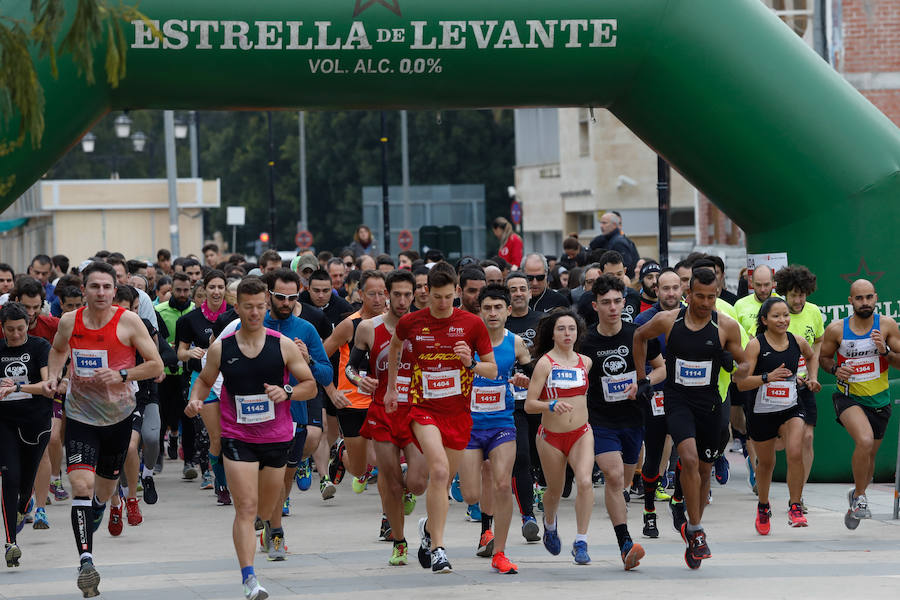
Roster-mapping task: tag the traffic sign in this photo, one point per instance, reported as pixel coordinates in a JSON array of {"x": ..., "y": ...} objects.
[
  {"x": 405, "y": 239},
  {"x": 303, "y": 239},
  {"x": 515, "y": 210}
]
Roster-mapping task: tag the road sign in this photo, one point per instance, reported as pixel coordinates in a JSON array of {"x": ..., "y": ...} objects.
[
  {"x": 405, "y": 239},
  {"x": 515, "y": 210},
  {"x": 304, "y": 239},
  {"x": 236, "y": 216}
]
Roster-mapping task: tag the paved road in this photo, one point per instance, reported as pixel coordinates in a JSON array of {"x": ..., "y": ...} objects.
[{"x": 183, "y": 551}]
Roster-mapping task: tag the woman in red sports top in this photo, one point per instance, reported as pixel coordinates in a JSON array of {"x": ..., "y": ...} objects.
[{"x": 558, "y": 391}]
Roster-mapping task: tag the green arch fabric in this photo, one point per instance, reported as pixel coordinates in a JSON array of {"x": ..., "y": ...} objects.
[{"x": 723, "y": 90}]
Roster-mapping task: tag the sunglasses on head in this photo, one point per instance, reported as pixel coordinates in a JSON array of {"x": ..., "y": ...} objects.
[
  {"x": 284, "y": 297},
  {"x": 540, "y": 277}
]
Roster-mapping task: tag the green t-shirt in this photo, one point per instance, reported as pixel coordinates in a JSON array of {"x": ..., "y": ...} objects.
[
  {"x": 809, "y": 324},
  {"x": 747, "y": 309}
]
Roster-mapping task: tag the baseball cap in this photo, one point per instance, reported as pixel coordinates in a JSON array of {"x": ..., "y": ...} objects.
[{"x": 301, "y": 263}]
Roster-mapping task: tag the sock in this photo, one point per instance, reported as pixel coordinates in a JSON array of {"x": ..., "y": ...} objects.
[
  {"x": 650, "y": 486},
  {"x": 581, "y": 537},
  {"x": 761, "y": 506},
  {"x": 678, "y": 494},
  {"x": 622, "y": 534},
  {"x": 691, "y": 528},
  {"x": 148, "y": 472},
  {"x": 397, "y": 542},
  {"x": 85, "y": 556},
  {"x": 82, "y": 519},
  {"x": 486, "y": 522},
  {"x": 246, "y": 572},
  {"x": 218, "y": 469},
  {"x": 549, "y": 526},
  {"x": 276, "y": 531},
  {"x": 97, "y": 505}
]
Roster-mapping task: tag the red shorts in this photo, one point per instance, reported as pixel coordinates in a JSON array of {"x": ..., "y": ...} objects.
[
  {"x": 393, "y": 428},
  {"x": 563, "y": 441},
  {"x": 455, "y": 428}
]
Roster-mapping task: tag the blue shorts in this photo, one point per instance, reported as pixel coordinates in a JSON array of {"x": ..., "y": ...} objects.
[
  {"x": 626, "y": 440},
  {"x": 488, "y": 439}
]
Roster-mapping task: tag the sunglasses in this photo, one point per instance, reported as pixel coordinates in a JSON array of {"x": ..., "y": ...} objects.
[
  {"x": 349, "y": 265},
  {"x": 535, "y": 277},
  {"x": 284, "y": 297}
]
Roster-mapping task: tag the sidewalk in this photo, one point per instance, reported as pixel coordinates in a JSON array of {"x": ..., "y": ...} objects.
[{"x": 183, "y": 550}]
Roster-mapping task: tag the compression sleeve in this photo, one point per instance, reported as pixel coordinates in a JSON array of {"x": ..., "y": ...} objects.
[{"x": 359, "y": 360}]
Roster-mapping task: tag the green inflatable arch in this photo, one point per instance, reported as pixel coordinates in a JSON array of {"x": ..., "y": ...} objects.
[{"x": 731, "y": 97}]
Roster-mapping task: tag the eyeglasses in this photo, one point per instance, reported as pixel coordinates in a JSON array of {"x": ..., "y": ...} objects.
[
  {"x": 284, "y": 297},
  {"x": 540, "y": 277},
  {"x": 349, "y": 265},
  {"x": 589, "y": 283}
]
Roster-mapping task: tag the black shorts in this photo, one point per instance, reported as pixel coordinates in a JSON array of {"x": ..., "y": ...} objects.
[
  {"x": 351, "y": 420},
  {"x": 737, "y": 397},
  {"x": 97, "y": 448},
  {"x": 137, "y": 419},
  {"x": 878, "y": 417},
  {"x": 807, "y": 401},
  {"x": 295, "y": 454},
  {"x": 314, "y": 410},
  {"x": 274, "y": 455},
  {"x": 330, "y": 409},
  {"x": 762, "y": 427},
  {"x": 706, "y": 422}
]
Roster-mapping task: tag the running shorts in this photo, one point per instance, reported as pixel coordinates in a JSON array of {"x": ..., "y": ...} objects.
[
  {"x": 455, "y": 428},
  {"x": 392, "y": 428},
  {"x": 878, "y": 417},
  {"x": 705, "y": 422},
  {"x": 101, "y": 449},
  {"x": 807, "y": 401},
  {"x": 762, "y": 427},
  {"x": 563, "y": 440},
  {"x": 627, "y": 440},
  {"x": 273, "y": 455},
  {"x": 488, "y": 439},
  {"x": 351, "y": 421}
]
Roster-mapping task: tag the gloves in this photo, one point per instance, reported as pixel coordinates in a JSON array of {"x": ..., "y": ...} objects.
[
  {"x": 644, "y": 390},
  {"x": 727, "y": 361}
]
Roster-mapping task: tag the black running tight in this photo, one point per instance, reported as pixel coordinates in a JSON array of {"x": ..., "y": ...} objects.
[{"x": 22, "y": 443}]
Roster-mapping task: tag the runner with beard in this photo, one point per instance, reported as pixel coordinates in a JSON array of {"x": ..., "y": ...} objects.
[
  {"x": 649, "y": 275},
  {"x": 863, "y": 343}
]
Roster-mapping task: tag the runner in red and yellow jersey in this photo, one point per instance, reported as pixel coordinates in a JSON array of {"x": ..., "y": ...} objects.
[
  {"x": 444, "y": 341},
  {"x": 390, "y": 433},
  {"x": 351, "y": 401}
]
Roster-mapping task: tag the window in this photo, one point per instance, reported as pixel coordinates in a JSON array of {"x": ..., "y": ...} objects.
[
  {"x": 797, "y": 14},
  {"x": 584, "y": 132}
]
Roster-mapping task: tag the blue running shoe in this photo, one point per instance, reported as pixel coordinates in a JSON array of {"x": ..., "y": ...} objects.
[
  {"x": 286, "y": 507},
  {"x": 579, "y": 551},
  {"x": 455, "y": 492},
  {"x": 40, "y": 519},
  {"x": 721, "y": 467},
  {"x": 751, "y": 474},
  {"x": 530, "y": 529},
  {"x": 303, "y": 476},
  {"x": 20, "y": 522},
  {"x": 473, "y": 513},
  {"x": 98, "y": 518},
  {"x": 551, "y": 541}
]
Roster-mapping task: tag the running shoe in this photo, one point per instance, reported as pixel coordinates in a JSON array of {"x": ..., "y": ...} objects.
[
  {"x": 795, "y": 516},
  {"x": 861, "y": 507},
  {"x": 115, "y": 524},
  {"x": 20, "y": 522},
  {"x": 336, "y": 469},
  {"x": 360, "y": 484},
  {"x": 384, "y": 532},
  {"x": 636, "y": 492},
  {"x": 539, "y": 497},
  {"x": 58, "y": 491},
  {"x": 265, "y": 538},
  {"x": 803, "y": 506},
  {"x": 258, "y": 524},
  {"x": 286, "y": 507},
  {"x": 502, "y": 565},
  {"x": 650, "y": 529},
  {"x": 763, "y": 515},
  {"x": 172, "y": 447},
  {"x": 409, "y": 503},
  {"x": 722, "y": 467},
  {"x": 486, "y": 544},
  {"x": 133, "y": 511},
  {"x": 277, "y": 550},
  {"x": 13, "y": 554},
  {"x": 632, "y": 554},
  {"x": 399, "y": 555},
  {"x": 850, "y": 521},
  {"x": 627, "y": 496},
  {"x": 473, "y": 513},
  {"x": 551, "y": 541},
  {"x": 206, "y": 483},
  {"x": 424, "y": 544},
  {"x": 596, "y": 476},
  {"x": 223, "y": 497},
  {"x": 689, "y": 559},
  {"x": 736, "y": 446},
  {"x": 29, "y": 518},
  {"x": 455, "y": 491},
  {"x": 661, "y": 495},
  {"x": 303, "y": 477},
  {"x": 579, "y": 551},
  {"x": 151, "y": 496},
  {"x": 531, "y": 531},
  {"x": 88, "y": 578},
  {"x": 327, "y": 488},
  {"x": 670, "y": 480},
  {"x": 189, "y": 471},
  {"x": 664, "y": 479},
  {"x": 439, "y": 562},
  {"x": 678, "y": 516},
  {"x": 373, "y": 475},
  {"x": 252, "y": 589},
  {"x": 696, "y": 542},
  {"x": 40, "y": 519},
  {"x": 751, "y": 476},
  {"x": 98, "y": 517}
]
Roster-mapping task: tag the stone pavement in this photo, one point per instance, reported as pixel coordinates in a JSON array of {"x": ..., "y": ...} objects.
[{"x": 183, "y": 551}]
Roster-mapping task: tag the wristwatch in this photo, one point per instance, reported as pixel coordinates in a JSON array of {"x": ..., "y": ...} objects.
[
  {"x": 472, "y": 366},
  {"x": 124, "y": 375},
  {"x": 765, "y": 377},
  {"x": 288, "y": 389}
]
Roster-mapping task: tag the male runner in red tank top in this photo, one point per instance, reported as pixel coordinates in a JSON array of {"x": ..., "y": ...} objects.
[
  {"x": 101, "y": 340},
  {"x": 390, "y": 433},
  {"x": 444, "y": 342}
]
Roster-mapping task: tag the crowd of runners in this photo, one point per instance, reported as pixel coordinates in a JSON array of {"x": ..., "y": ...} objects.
[{"x": 476, "y": 382}]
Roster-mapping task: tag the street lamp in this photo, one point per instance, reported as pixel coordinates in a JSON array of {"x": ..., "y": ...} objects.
[
  {"x": 139, "y": 141},
  {"x": 123, "y": 126},
  {"x": 181, "y": 129},
  {"x": 87, "y": 142}
]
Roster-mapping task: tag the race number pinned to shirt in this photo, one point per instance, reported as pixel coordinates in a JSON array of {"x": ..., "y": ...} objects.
[
  {"x": 403, "y": 389},
  {"x": 441, "y": 384},
  {"x": 488, "y": 398},
  {"x": 802, "y": 371},
  {"x": 256, "y": 408},
  {"x": 22, "y": 379},
  {"x": 658, "y": 405},
  {"x": 692, "y": 373},
  {"x": 519, "y": 393},
  {"x": 777, "y": 394},
  {"x": 867, "y": 368},
  {"x": 565, "y": 378},
  {"x": 358, "y": 389},
  {"x": 86, "y": 362},
  {"x": 615, "y": 386}
]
